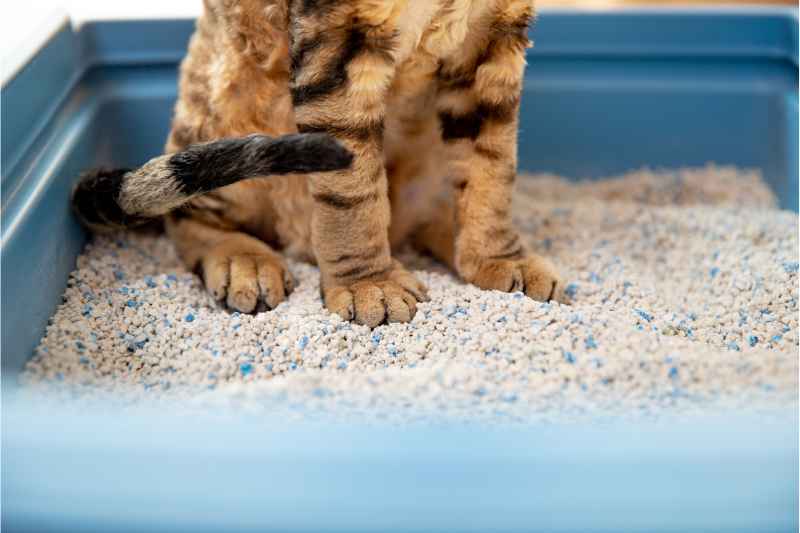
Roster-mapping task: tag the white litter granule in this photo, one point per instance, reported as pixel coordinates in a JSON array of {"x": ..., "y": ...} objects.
[{"x": 683, "y": 291}]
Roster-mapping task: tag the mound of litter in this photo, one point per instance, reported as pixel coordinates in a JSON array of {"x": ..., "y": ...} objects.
[{"x": 682, "y": 287}]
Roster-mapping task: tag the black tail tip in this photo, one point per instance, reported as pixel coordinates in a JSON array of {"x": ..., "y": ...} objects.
[{"x": 94, "y": 199}]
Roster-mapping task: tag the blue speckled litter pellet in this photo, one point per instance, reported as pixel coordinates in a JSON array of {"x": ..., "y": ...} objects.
[
  {"x": 673, "y": 372},
  {"x": 571, "y": 290},
  {"x": 752, "y": 340},
  {"x": 713, "y": 272},
  {"x": 189, "y": 318},
  {"x": 246, "y": 368},
  {"x": 590, "y": 343},
  {"x": 509, "y": 398},
  {"x": 569, "y": 357},
  {"x": 644, "y": 314},
  {"x": 303, "y": 342},
  {"x": 791, "y": 267}
]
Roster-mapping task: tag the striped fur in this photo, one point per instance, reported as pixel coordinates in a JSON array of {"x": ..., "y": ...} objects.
[
  {"x": 120, "y": 198},
  {"x": 423, "y": 93}
]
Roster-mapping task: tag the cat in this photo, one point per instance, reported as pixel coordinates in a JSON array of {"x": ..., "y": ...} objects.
[{"x": 423, "y": 94}]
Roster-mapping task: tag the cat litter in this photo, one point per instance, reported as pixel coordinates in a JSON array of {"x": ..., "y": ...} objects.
[{"x": 682, "y": 291}]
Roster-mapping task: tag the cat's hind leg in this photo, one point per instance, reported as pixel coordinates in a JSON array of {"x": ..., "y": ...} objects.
[{"x": 239, "y": 270}]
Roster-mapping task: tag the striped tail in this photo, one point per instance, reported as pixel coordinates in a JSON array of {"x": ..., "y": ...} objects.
[{"x": 106, "y": 199}]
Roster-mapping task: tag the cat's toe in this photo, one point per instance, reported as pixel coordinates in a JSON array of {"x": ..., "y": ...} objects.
[
  {"x": 533, "y": 275},
  {"x": 246, "y": 277},
  {"x": 542, "y": 281},
  {"x": 371, "y": 303}
]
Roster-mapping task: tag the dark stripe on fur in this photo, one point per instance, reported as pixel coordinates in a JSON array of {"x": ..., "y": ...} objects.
[
  {"x": 513, "y": 254},
  {"x": 456, "y": 79},
  {"x": 468, "y": 126},
  {"x": 367, "y": 255},
  {"x": 362, "y": 271},
  {"x": 514, "y": 31},
  {"x": 512, "y": 34},
  {"x": 317, "y": 7},
  {"x": 341, "y": 202},
  {"x": 460, "y": 127},
  {"x": 303, "y": 49},
  {"x": 355, "y": 43},
  {"x": 488, "y": 153},
  {"x": 511, "y": 248}
]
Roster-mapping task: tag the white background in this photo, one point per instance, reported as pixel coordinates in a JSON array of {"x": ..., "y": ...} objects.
[{"x": 26, "y": 24}]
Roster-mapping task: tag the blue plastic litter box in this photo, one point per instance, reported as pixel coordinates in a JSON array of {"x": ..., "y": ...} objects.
[{"x": 605, "y": 92}]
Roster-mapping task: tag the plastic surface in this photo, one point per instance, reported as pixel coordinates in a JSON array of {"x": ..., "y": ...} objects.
[
  {"x": 605, "y": 92},
  {"x": 153, "y": 474}
]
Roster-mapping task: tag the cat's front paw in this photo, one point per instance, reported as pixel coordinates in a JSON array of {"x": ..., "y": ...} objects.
[
  {"x": 392, "y": 297},
  {"x": 533, "y": 275}
]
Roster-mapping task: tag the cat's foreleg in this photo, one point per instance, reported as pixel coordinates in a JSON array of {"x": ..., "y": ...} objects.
[
  {"x": 341, "y": 72},
  {"x": 478, "y": 106}
]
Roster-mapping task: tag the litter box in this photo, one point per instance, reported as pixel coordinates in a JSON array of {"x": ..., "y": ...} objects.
[{"x": 606, "y": 92}]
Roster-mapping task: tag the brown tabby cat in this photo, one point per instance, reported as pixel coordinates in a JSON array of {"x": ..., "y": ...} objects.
[{"x": 425, "y": 96}]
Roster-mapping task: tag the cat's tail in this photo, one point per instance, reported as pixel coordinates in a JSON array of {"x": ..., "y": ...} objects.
[{"x": 106, "y": 199}]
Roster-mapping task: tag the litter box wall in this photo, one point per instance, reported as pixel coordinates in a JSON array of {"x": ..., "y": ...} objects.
[{"x": 605, "y": 93}]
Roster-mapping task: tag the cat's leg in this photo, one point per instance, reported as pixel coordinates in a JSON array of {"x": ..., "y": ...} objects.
[
  {"x": 237, "y": 269},
  {"x": 342, "y": 68},
  {"x": 478, "y": 106}
]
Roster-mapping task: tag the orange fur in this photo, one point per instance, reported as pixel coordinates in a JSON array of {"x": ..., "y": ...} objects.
[{"x": 427, "y": 101}]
